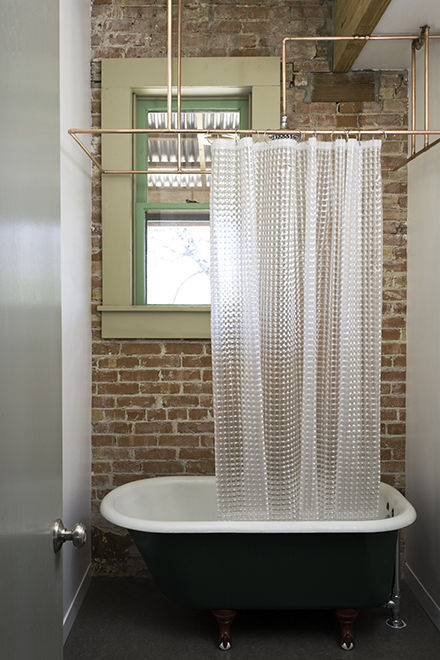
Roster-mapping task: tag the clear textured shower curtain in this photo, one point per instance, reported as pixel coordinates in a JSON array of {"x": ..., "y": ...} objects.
[{"x": 296, "y": 270}]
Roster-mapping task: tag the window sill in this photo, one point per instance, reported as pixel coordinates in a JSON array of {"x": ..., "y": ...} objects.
[{"x": 155, "y": 322}]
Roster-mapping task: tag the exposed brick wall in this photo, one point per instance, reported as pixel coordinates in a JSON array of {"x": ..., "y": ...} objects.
[{"x": 152, "y": 400}]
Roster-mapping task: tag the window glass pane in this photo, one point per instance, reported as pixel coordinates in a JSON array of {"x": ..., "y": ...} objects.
[
  {"x": 172, "y": 220},
  {"x": 177, "y": 268},
  {"x": 162, "y": 152}
]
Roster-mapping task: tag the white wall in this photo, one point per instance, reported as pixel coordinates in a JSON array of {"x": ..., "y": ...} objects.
[
  {"x": 423, "y": 376},
  {"x": 75, "y": 292}
]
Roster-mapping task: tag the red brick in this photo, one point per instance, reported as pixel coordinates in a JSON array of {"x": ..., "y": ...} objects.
[
  {"x": 177, "y": 413},
  {"x": 105, "y": 348},
  {"x": 396, "y": 429},
  {"x": 197, "y": 388},
  {"x": 184, "y": 348},
  {"x": 140, "y": 348},
  {"x": 113, "y": 428},
  {"x": 180, "y": 401},
  {"x": 195, "y": 453},
  {"x": 155, "y": 453},
  {"x": 389, "y": 334},
  {"x": 388, "y": 415},
  {"x": 160, "y": 361},
  {"x": 393, "y": 401},
  {"x": 114, "y": 414},
  {"x": 178, "y": 440},
  {"x": 103, "y": 402},
  {"x": 195, "y": 427},
  {"x": 393, "y": 348},
  {"x": 198, "y": 413},
  {"x": 138, "y": 375},
  {"x": 200, "y": 467},
  {"x": 136, "y": 401},
  {"x": 100, "y": 480},
  {"x": 119, "y": 363},
  {"x": 103, "y": 440},
  {"x": 197, "y": 361},
  {"x": 207, "y": 440},
  {"x": 102, "y": 467},
  {"x": 136, "y": 440},
  {"x": 393, "y": 467},
  {"x": 127, "y": 466},
  {"x": 162, "y": 467},
  {"x": 153, "y": 427},
  {"x": 393, "y": 322},
  {"x": 111, "y": 453},
  {"x": 126, "y": 477},
  {"x": 392, "y": 375},
  {"x": 159, "y": 388},
  {"x": 156, "y": 414},
  {"x": 181, "y": 374},
  {"x": 118, "y": 388}
]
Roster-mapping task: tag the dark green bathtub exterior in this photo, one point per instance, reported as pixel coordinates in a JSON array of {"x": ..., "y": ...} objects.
[{"x": 271, "y": 571}]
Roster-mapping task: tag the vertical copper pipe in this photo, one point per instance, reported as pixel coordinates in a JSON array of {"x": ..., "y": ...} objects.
[
  {"x": 179, "y": 60},
  {"x": 284, "y": 84},
  {"x": 169, "y": 61},
  {"x": 413, "y": 96},
  {"x": 426, "y": 83},
  {"x": 179, "y": 83}
]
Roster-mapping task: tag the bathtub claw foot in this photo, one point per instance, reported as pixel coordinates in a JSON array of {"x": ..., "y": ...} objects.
[
  {"x": 346, "y": 620},
  {"x": 224, "y": 620}
]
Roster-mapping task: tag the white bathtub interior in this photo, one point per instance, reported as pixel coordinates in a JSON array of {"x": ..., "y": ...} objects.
[{"x": 188, "y": 504}]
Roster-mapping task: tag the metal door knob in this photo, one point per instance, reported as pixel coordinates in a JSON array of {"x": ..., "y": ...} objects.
[{"x": 78, "y": 535}]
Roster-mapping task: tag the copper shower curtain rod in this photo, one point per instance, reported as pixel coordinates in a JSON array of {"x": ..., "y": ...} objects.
[{"x": 418, "y": 41}]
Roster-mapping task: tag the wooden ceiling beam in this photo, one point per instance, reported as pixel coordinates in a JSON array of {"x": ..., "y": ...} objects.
[{"x": 354, "y": 18}]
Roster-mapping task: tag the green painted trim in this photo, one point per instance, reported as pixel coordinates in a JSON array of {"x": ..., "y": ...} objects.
[
  {"x": 154, "y": 308},
  {"x": 139, "y": 255},
  {"x": 149, "y": 322},
  {"x": 143, "y": 106},
  {"x": 177, "y": 207},
  {"x": 123, "y": 80}
]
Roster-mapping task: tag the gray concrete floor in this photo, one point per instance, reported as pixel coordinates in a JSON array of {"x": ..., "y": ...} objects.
[{"x": 123, "y": 619}]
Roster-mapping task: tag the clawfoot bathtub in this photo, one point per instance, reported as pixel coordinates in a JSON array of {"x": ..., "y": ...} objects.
[{"x": 204, "y": 563}]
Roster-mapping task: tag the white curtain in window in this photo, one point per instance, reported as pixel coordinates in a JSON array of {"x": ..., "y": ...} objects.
[{"x": 296, "y": 269}]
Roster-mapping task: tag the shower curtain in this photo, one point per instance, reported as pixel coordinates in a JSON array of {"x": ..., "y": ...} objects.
[{"x": 296, "y": 270}]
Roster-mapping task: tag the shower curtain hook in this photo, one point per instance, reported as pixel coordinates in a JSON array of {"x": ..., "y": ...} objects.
[
  {"x": 266, "y": 139},
  {"x": 384, "y": 135},
  {"x": 236, "y": 136}
]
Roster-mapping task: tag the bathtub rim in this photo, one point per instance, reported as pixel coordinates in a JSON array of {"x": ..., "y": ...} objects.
[{"x": 405, "y": 515}]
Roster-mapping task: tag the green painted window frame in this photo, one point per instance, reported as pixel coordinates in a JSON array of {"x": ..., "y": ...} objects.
[
  {"x": 143, "y": 106},
  {"x": 123, "y": 80}
]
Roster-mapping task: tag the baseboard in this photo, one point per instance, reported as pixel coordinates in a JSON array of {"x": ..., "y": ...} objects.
[
  {"x": 76, "y": 604},
  {"x": 431, "y": 608}
]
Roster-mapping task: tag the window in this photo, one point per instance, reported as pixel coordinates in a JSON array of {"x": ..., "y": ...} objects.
[
  {"x": 126, "y": 215},
  {"x": 172, "y": 211}
]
